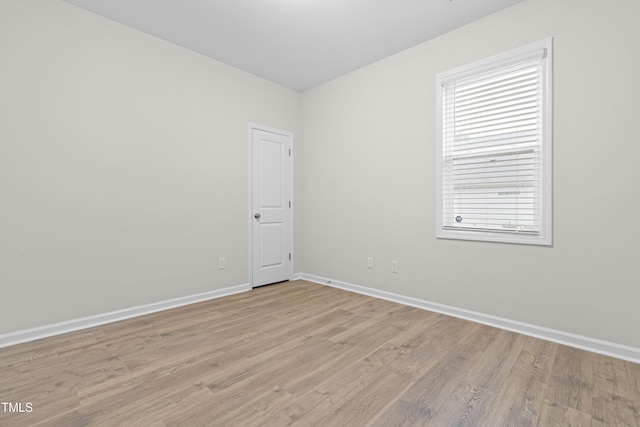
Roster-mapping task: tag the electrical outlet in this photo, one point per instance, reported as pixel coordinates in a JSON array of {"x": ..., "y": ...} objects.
[
  {"x": 394, "y": 266},
  {"x": 222, "y": 263},
  {"x": 370, "y": 262}
]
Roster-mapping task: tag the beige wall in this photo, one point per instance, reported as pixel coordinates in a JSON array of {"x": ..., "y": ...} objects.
[
  {"x": 123, "y": 171},
  {"x": 370, "y": 186},
  {"x": 123, "y": 165}
]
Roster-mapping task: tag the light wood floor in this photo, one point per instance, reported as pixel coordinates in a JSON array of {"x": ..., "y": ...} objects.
[{"x": 304, "y": 354}]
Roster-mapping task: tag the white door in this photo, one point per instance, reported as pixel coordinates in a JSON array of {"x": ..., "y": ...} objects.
[{"x": 271, "y": 206}]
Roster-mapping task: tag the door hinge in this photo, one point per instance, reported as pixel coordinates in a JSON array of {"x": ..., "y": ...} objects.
[
  {"x": 289, "y": 256},
  {"x": 289, "y": 152},
  {"x": 289, "y": 204}
]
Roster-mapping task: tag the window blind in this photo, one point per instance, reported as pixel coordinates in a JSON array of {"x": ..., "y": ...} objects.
[{"x": 492, "y": 149}]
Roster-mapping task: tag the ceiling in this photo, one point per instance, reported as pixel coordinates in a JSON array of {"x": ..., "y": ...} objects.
[{"x": 296, "y": 43}]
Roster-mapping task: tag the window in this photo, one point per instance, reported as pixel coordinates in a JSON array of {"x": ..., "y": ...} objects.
[{"x": 494, "y": 148}]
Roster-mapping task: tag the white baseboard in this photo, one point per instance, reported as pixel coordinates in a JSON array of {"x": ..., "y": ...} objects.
[
  {"x": 114, "y": 316},
  {"x": 619, "y": 351}
]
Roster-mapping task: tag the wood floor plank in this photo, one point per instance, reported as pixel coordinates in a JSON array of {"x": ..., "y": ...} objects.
[
  {"x": 420, "y": 404},
  {"x": 520, "y": 401},
  {"x": 474, "y": 400},
  {"x": 469, "y": 405},
  {"x": 265, "y": 409},
  {"x": 357, "y": 410},
  {"x": 413, "y": 357},
  {"x": 303, "y": 354},
  {"x": 609, "y": 397},
  {"x": 564, "y": 416},
  {"x": 322, "y": 405},
  {"x": 571, "y": 382}
]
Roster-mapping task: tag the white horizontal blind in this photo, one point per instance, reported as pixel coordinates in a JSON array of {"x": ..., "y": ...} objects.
[{"x": 492, "y": 143}]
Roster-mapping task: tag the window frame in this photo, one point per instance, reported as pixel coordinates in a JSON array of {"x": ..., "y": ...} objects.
[{"x": 544, "y": 48}]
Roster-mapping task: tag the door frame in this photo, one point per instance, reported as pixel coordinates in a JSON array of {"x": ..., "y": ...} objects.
[{"x": 250, "y": 219}]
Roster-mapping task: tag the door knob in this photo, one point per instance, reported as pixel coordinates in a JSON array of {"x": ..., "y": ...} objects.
[{"x": 257, "y": 216}]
